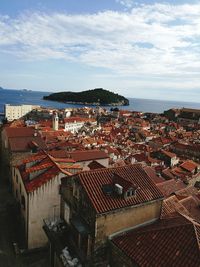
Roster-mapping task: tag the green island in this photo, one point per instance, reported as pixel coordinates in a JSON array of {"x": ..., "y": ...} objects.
[{"x": 98, "y": 96}]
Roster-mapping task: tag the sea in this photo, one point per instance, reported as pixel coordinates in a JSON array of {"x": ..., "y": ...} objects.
[{"x": 17, "y": 97}]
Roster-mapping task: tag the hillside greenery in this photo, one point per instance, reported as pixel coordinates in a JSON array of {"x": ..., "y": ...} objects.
[{"x": 95, "y": 96}]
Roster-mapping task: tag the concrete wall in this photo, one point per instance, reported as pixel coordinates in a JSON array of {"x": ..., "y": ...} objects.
[
  {"x": 19, "y": 191},
  {"x": 109, "y": 224},
  {"x": 44, "y": 203}
]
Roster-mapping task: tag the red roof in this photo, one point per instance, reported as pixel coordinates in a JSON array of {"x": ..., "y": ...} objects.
[
  {"x": 40, "y": 162},
  {"x": 126, "y": 184},
  {"x": 78, "y": 119},
  {"x": 38, "y": 157},
  {"x": 170, "y": 186},
  {"x": 80, "y": 155},
  {"x": 152, "y": 174},
  {"x": 22, "y": 144},
  {"x": 19, "y": 131},
  {"x": 41, "y": 179},
  {"x": 39, "y": 167},
  {"x": 189, "y": 165},
  {"x": 169, "y": 242},
  {"x": 168, "y": 154},
  {"x": 93, "y": 181},
  {"x": 171, "y": 206},
  {"x": 95, "y": 165}
]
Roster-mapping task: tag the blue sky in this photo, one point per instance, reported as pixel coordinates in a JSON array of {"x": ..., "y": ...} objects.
[{"x": 146, "y": 49}]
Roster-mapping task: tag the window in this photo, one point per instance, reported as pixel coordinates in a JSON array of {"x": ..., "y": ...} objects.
[
  {"x": 66, "y": 212},
  {"x": 130, "y": 193},
  {"x": 23, "y": 204},
  {"x": 76, "y": 191}
]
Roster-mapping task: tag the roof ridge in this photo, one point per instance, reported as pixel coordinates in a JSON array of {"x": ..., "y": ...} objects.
[
  {"x": 193, "y": 221},
  {"x": 57, "y": 165},
  {"x": 159, "y": 228},
  {"x": 197, "y": 233},
  {"x": 112, "y": 168}
]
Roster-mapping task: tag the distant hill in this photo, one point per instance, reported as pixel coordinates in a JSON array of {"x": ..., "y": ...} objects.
[{"x": 93, "y": 97}]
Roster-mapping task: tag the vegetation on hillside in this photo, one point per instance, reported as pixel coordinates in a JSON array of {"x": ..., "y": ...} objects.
[{"x": 95, "y": 96}]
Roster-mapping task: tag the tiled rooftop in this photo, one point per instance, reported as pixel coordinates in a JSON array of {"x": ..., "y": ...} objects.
[
  {"x": 93, "y": 181},
  {"x": 171, "y": 206},
  {"x": 19, "y": 131},
  {"x": 170, "y": 186},
  {"x": 23, "y": 143},
  {"x": 79, "y": 155},
  {"x": 167, "y": 243},
  {"x": 189, "y": 165}
]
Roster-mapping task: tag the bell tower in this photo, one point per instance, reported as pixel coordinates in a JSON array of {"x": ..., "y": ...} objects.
[{"x": 55, "y": 121}]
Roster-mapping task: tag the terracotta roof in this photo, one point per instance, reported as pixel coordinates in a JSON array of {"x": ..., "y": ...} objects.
[
  {"x": 95, "y": 165},
  {"x": 80, "y": 155},
  {"x": 63, "y": 160},
  {"x": 189, "y": 165},
  {"x": 192, "y": 203},
  {"x": 19, "y": 131},
  {"x": 42, "y": 163},
  {"x": 126, "y": 184},
  {"x": 39, "y": 156},
  {"x": 171, "y": 206},
  {"x": 39, "y": 167},
  {"x": 187, "y": 191},
  {"x": 169, "y": 242},
  {"x": 168, "y": 174},
  {"x": 41, "y": 179},
  {"x": 170, "y": 186},
  {"x": 152, "y": 174},
  {"x": 187, "y": 147},
  {"x": 93, "y": 181},
  {"x": 22, "y": 144},
  {"x": 78, "y": 119},
  {"x": 168, "y": 154}
]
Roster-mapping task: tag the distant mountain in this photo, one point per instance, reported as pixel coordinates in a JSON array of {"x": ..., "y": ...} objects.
[
  {"x": 93, "y": 97},
  {"x": 1, "y": 88}
]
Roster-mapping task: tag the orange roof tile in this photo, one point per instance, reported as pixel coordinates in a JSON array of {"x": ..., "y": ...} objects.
[
  {"x": 169, "y": 242},
  {"x": 93, "y": 181},
  {"x": 170, "y": 186},
  {"x": 189, "y": 165}
]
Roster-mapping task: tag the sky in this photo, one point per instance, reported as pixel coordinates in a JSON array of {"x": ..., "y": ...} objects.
[{"x": 143, "y": 49}]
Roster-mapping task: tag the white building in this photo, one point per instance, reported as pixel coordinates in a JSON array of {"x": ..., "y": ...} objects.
[
  {"x": 74, "y": 124},
  {"x": 14, "y": 112},
  {"x": 35, "y": 185}
]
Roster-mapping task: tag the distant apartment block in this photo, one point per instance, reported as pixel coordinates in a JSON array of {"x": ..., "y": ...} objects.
[{"x": 14, "y": 112}]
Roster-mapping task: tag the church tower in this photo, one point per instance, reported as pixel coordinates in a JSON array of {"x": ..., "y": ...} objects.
[{"x": 55, "y": 121}]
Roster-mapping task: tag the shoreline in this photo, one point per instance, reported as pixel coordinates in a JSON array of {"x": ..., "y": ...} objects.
[{"x": 86, "y": 103}]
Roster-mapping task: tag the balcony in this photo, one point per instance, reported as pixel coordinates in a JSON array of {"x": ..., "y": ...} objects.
[{"x": 59, "y": 235}]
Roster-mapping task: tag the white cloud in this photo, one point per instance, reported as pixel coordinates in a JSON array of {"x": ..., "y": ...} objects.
[
  {"x": 159, "y": 40},
  {"x": 126, "y": 3}
]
